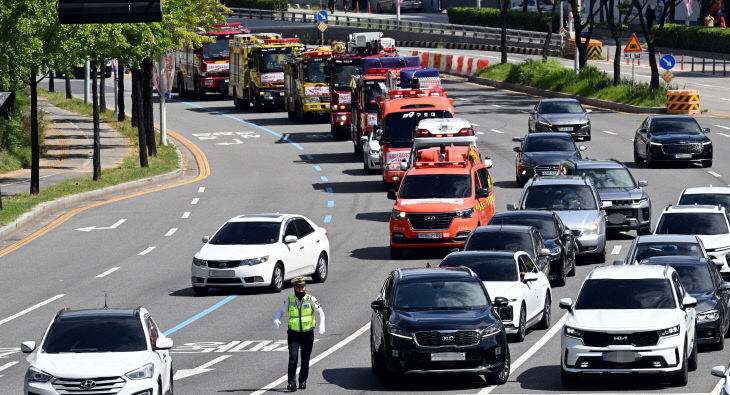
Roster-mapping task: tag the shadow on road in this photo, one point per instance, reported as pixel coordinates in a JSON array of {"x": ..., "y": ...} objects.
[
  {"x": 362, "y": 379},
  {"x": 377, "y": 216}
]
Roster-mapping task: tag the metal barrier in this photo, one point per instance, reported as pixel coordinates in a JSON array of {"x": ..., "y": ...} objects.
[{"x": 683, "y": 102}]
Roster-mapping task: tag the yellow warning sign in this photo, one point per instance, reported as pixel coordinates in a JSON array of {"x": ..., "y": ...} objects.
[
  {"x": 322, "y": 27},
  {"x": 633, "y": 45},
  {"x": 668, "y": 76}
]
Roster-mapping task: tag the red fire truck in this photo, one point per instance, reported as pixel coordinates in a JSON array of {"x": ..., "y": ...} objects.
[{"x": 206, "y": 69}]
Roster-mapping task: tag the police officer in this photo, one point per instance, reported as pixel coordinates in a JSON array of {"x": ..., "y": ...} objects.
[{"x": 300, "y": 308}]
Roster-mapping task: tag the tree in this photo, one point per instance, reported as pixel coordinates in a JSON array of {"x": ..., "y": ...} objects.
[
  {"x": 549, "y": 35},
  {"x": 651, "y": 34},
  {"x": 579, "y": 24},
  {"x": 616, "y": 24},
  {"x": 503, "y": 9}
]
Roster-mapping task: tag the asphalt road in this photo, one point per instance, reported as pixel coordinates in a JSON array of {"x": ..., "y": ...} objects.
[{"x": 288, "y": 167}]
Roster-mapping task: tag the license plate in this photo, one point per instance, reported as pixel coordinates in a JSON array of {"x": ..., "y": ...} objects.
[
  {"x": 620, "y": 356},
  {"x": 682, "y": 156},
  {"x": 221, "y": 273},
  {"x": 566, "y": 129},
  {"x": 448, "y": 356},
  {"x": 549, "y": 173},
  {"x": 433, "y": 235}
]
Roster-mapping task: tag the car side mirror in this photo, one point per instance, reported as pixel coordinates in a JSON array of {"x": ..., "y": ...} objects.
[
  {"x": 529, "y": 277},
  {"x": 163, "y": 343},
  {"x": 718, "y": 371},
  {"x": 643, "y": 183},
  {"x": 688, "y": 302},
  {"x": 487, "y": 162},
  {"x": 544, "y": 252},
  {"x": 582, "y": 148},
  {"x": 606, "y": 203},
  {"x": 27, "y": 347},
  {"x": 566, "y": 304},
  {"x": 392, "y": 195},
  {"x": 500, "y": 301},
  {"x": 511, "y": 207},
  {"x": 725, "y": 285},
  {"x": 482, "y": 193},
  {"x": 377, "y": 305},
  {"x": 206, "y": 239},
  {"x": 567, "y": 232},
  {"x": 719, "y": 263},
  {"x": 706, "y": 130},
  {"x": 379, "y": 134},
  {"x": 517, "y": 149},
  {"x": 532, "y": 112},
  {"x": 363, "y": 139},
  {"x": 288, "y": 239},
  {"x": 618, "y": 262},
  {"x": 517, "y": 139},
  {"x": 403, "y": 165},
  {"x": 588, "y": 111}
]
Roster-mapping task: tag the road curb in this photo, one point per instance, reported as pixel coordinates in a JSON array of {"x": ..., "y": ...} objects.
[{"x": 609, "y": 105}]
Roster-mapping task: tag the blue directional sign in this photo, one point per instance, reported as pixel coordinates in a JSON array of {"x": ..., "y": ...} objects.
[
  {"x": 322, "y": 16},
  {"x": 667, "y": 62}
]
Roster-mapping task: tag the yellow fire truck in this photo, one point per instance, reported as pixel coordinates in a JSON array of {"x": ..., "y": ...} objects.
[
  {"x": 306, "y": 90},
  {"x": 257, "y": 69}
]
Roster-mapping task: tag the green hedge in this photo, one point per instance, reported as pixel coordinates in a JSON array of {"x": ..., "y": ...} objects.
[
  {"x": 490, "y": 17},
  {"x": 699, "y": 38},
  {"x": 257, "y": 4}
]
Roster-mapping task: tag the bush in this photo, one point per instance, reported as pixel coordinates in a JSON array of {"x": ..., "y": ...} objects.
[
  {"x": 15, "y": 135},
  {"x": 698, "y": 38},
  {"x": 257, "y": 4},
  {"x": 490, "y": 17}
]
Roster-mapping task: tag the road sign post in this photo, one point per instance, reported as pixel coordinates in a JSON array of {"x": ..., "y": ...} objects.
[
  {"x": 322, "y": 27},
  {"x": 633, "y": 50},
  {"x": 667, "y": 62}
]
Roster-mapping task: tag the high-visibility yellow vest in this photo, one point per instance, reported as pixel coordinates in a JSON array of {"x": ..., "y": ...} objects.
[{"x": 301, "y": 319}]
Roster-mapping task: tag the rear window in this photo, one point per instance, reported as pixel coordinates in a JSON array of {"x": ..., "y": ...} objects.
[
  {"x": 559, "y": 197},
  {"x": 648, "y": 250},
  {"x": 493, "y": 268},
  {"x": 692, "y": 224},
  {"x": 500, "y": 241},
  {"x": 546, "y": 225},
  {"x": 706, "y": 198}
]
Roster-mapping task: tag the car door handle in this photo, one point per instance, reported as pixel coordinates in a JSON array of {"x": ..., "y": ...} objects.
[
  {"x": 301, "y": 248},
  {"x": 317, "y": 241}
]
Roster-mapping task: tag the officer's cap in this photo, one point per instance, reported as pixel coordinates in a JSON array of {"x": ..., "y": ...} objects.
[{"x": 299, "y": 281}]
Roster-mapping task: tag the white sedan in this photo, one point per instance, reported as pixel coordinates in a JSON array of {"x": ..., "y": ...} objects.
[
  {"x": 261, "y": 250},
  {"x": 370, "y": 152},
  {"x": 514, "y": 276}
]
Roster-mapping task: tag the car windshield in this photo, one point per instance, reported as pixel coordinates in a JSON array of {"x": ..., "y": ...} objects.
[
  {"x": 247, "y": 233},
  {"x": 371, "y": 96},
  {"x": 692, "y": 224},
  {"x": 315, "y": 72},
  {"x": 546, "y": 225},
  {"x": 440, "y": 295},
  {"x": 560, "y": 107},
  {"x": 272, "y": 62},
  {"x": 706, "y": 198},
  {"x": 675, "y": 125},
  {"x": 95, "y": 334},
  {"x": 343, "y": 73},
  {"x": 619, "y": 294},
  {"x": 493, "y": 268},
  {"x": 426, "y": 186},
  {"x": 399, "y": 126},
  {"x": 217, "y": 49},
  {"x": 695, "y": 278},
  {"x": 500, "y": 241},
  {"x": 610, "y": 178},
  {"x": 559, "y": 197},
  {"x": 537, "y": 143},
  {"x": 648, "y": 250}
]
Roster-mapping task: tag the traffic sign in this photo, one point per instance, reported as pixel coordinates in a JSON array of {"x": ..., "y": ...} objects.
[
  {"x": 322, "y": 16},
  {"x": 633, "y": 45},
  {"x": 562, "y": 30},
  {"x": 668, "y": 76},
  {"x": 322, "y": 26},
  {"x": 632, "y": 55},
  {"x": 667, "y": 62}
]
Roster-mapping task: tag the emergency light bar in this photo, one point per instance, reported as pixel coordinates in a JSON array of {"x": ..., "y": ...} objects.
[
  {"x": 316, "y": 54},
  {"x": 282, "y": 40},
  {"x": 230, "y": 26},
  {"x": 427, "y": 133},
  {"x": 441, "y": 164},
  {"x": 409, "y": 93}
]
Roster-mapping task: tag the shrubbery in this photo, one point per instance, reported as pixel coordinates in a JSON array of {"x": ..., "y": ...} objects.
[
  {"x": 15, "y": 135},
  {"x": 490, "y": 17},
  {"x": 699, "y": 38},
  {"x": 257, "y": 4}
]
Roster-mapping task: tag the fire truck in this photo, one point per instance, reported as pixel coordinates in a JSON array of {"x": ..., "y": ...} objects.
[
  {"x": 306, "y": 92},
  {"x": 257, "y": 69},
  {"x": 206, "y": 69}
]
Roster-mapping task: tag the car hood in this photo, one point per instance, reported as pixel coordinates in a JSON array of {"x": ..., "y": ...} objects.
[
  {"x": 228, "y": 252},
  {"x": 712, "y": 242},
  {"x": 620, "y": 193},
  {"x": 563, "y": 119},
  {"x": 85, "y": 365},
  {"x": 549, "y": 157},
  {"x": 673, "y": 138},
  {"x": 624, "y": 320},
  {"x": 414, "y": 321},
  {"x": 576, "y": 219},
  {"x": 433, "y": 205},
  {"x": 705, "y": 301},
  {"x": 505, "y": 289}
]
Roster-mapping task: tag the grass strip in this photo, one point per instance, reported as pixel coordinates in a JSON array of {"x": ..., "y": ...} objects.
[{"x": 130, "y": 170}]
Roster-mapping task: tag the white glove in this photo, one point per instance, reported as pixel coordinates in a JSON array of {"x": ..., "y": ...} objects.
[
  {"x": 277, "y": 323},
  {"x": 320, "y": 329}
]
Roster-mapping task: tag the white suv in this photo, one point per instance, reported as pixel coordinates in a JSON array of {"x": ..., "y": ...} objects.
[
  {"x": 102, "y": 351},
  {"x": 629, "y": 319},
  {"x": 709, "y": 223}
]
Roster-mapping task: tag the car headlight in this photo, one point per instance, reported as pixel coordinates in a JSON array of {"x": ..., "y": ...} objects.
[
  {"x": 669, "y": 332},
  {"x": 655, "y": 144},
  {"x": 374, "y": 151},
  {"x": 468, "y": 213},
  {"x": 527, "y": 161},
  {"x": 573, "y": 332},
  {"x": 200, "y": 262},
  {"x": 491, "y": 330},
  {"x": 37, "y": 376},
  {"x": 707, "y": 143},
  {"x": 400, "y": 332},
  {"x": 591, "y": 229},
  {"x": 548, "y": 124},
  {"x": 255, "y": 261},
  {"x": 311, "y": 100},
  {"x": 556, "y": 251},
  {"x": 642, "y": 200},
  {"x": 585, "y": 123},
  {"x": 397, "y": 214},
  {"x": 393, "y": 166},
  {"x": 145, "y": 372},
  {"x": 709, "y": 315}
]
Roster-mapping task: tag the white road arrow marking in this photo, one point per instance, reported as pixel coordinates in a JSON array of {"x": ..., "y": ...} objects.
[
  {"x": 7, "y": 365},
  {"x": 237, "y": 141},
  {"x": 183, "y": 373},
  {"x": 90, "y": 228}
]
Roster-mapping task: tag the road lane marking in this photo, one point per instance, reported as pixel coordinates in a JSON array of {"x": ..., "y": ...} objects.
[
  {"x": 462, "y": 99},
  {"x": 631, "y": 140},
  {"x": 316, "y": 167},
  {"x": 480, "y": 132},
  {"x": 722, "y": 98},
  {"x": 608, "y": 132},
  {"x": 722, "y": 127},
  {"x": 712, "y": 173},
  {"x": 475, "y": 124},
  {"x": 616, "y": 250},
  {"x": 113, "y": 226},
  {"x": 170, "y": 232},
  {"x": 718, "y": 387},
  {"x": 199, "y": 315},
  {"x": 108, "y": 272},
  {"x": 31, "y": 308},
  {"x": 7, "y": 365},
  {"x": 723, "y": 134},
  {"x": 532, "y": 350},
  {"x": 186, "y": 214},
  {"x": 201, "y": 189},
  {"x": 316, "y": 359},
  {"x": 309, "y": 157},
  {"x": 323, "y": 178},
  {"x": 327, "y": 219},
  {"x": 182, "y": 373},
  {"x": 147, "y": 250},
  {"x": 195, "y": 201},
  {"x": 497, "y": 131},
  {"x": 330, "y": 203},
  {"x": 328, "y": 189},
  {"x": 495, "y": 105}
]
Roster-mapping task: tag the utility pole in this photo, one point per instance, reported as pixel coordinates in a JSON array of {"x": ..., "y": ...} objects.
[
  {"x": 87, "y": 69},
  {"x": 114, "y": 69},
  {"x": 162, "y": 74}
]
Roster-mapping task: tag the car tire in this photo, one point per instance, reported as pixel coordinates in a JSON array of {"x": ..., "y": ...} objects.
[
  {"x": 522, "y": 326},
  {"x": 692, "y": 360},
  {"x": 587, "y": 138},
  {"x": 707, "y": 163},
  {"x": 679, "y": 379},
  {"x": 545, "y": 321},
  {"x": 502, "y": 376},
  {"x": 568, "y": 379},
  {"x": 637, "y": 159},
  {"x": 200, "y": 291},
  {"x": 600, "y": 257},
  {"x": 277, "y": 278},
  {"x": 649, "y": 163},
  {"x": 560, "y": 279},
  {"x": 396, "y": 253},
  {"x": 573, "y": 258},
  {"x": 322, "y": 268},
  {"x": 159, "y": 387},
  {"x": 721, "y": 343},
  {"x": 646, "y": 230}
]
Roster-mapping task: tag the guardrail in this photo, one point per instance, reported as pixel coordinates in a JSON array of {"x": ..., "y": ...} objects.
[{"x": 520, "y": 38}]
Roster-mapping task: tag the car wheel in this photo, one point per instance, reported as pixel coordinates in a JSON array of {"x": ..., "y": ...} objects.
[
  {"x": 320, "y": 273},
  {"x": 374, "y": 365},
  {"x": 587, "y": 138},
  {"x": 236, "y": 101},
  {"x": 679, "y": 379},
  {"x": 637, "y": 159},
  {"x": 600, "y": 257},
  {"x": 721, "y": 343},
  {"x": 503, "y": 375},
  {"x": 258, "y": 104},
  {"x": 396, "y": 253},
  {"x": 571, "y": 273},
  {"x": 646, "y": 230},
  {"x": 171, "y": 392},
  {"x": 560, "y": 279},
  {"x": 692, "y": 361},
  {"x": 545, "y": 321},
  {"x": 200, "y": 291},
  {"x": 649, "y": 162},
  {"x": 568, "y": 379},
  {"x": 521, "y": 329},
  {"x": 707, "y": 163},
  {"x": 277, "y": 278}
]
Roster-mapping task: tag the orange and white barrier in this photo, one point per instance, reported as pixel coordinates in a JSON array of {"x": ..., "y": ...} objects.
[{"x": 451, "y": 64}]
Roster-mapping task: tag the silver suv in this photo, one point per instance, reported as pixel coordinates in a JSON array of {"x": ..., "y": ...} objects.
[{"x": 576, "y": 202}]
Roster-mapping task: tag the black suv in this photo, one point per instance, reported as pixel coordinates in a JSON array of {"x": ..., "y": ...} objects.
[
  {"x": 672, "y": 138},
  {"x": 437, "y": 320},
  {"x": 511, "y": 238},
  {"x": 542, "y": 153},
  {"x": 630, "y": 207}
]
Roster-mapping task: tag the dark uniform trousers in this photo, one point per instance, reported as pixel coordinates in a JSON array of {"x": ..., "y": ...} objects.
[{"x": 297, "y": 340}]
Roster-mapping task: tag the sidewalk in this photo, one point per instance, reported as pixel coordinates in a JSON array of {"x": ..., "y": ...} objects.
[{"x": 69, "y": 141}]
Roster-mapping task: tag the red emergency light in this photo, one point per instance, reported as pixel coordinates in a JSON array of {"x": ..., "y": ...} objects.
[
  {"x": 281, "y": 40},
  {"x": 408, "y": 93},
  {"x": 462, "y": 132},
  {"x": 441, "y": 164},
  {"x": 316, "y": 54}
]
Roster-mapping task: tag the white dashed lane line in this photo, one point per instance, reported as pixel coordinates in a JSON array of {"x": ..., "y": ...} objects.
[
  {"x": 186, "y": 214},
  {"x": 722, "y": 127},
  {"x": 712, "y": 173},
  {"x": 195, "y": 201},
  {"x": 147, "y": 250},
  {"x": 31, "y": 308},
  {"x": 609, "y": 132},
  {"x": 723, "y": 134},
  {"x": 170, "y": 232},
  {"x": 497, "y": 131},
  {"x": 616, "y": 250},
  {"x": 480, "y": 132},
  {"x": 201, "y": 189},
  {"x": 108, "y": 272}
]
